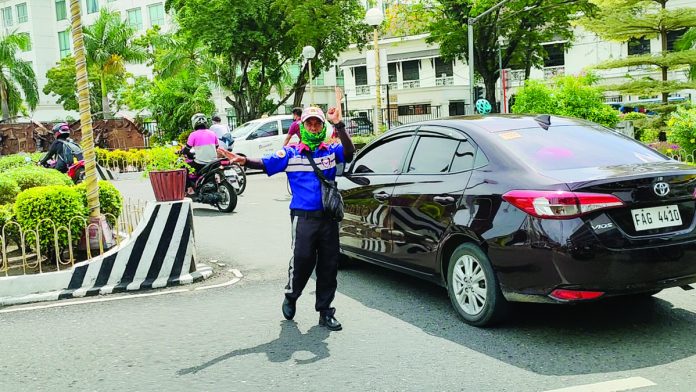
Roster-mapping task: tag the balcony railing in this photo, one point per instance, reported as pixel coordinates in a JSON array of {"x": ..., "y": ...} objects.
[
  {"x": 362, "y": 90},
  {"x": 393, "y": 85},
  {"x": 411, "y": 83},
  {"x": 515, "y": 75},
  {"x": 550, "y": 72},
  {"x": 444, "y": 81}
]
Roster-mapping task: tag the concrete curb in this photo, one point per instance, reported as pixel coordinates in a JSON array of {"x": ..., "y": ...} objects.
[{"x": 159, "y": 253}]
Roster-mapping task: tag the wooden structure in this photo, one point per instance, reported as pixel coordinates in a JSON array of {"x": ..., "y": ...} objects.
[{"x": 30, "y": 136}]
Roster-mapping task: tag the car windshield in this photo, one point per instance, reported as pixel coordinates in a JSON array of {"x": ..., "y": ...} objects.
[
  {"x": 575, "y": 147},
  {"x": 244, "y": 129}
]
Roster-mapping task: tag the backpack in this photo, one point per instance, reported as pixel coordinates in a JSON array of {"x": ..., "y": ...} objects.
[{"x": 69, "y": 152}]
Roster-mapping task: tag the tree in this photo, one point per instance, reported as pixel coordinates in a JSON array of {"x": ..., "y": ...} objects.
[
  {"x": 686, "y": 42},
  {"x": 61, "y": 83},
  {"x": 108, "y": 45},
  {"x": 624, "y": 20},
  {"x": 262, "y": 38},
  {"x": 16, "y": 76},
  {"x": 523, "y": 24},
  {"x": 573, "y": 96}
]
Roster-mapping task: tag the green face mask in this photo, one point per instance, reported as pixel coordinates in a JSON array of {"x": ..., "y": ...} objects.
[{"x": 312, "y": 140}]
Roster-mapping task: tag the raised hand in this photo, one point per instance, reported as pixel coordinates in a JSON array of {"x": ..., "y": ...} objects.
[{"x": 234, "y": 158}]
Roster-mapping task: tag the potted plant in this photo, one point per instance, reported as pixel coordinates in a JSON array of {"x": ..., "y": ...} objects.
[{"x": 167, "y": 172}]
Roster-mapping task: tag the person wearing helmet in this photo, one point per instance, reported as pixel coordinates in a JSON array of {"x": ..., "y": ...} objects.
[
  {"x": 314, "y": 233},
  {"x": 201, "y": 146},
  {"x": 63, "y": 149}
]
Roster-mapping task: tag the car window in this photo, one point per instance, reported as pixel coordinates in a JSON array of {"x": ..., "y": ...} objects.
[
  {"x": 575, "y": 147},
  {"x": 286, "y": 125},
  {"x": 268, "y": 129},
  {"x": 243, "y": 130},
  {"x": 464, "y": 158},
  {"x": 384, "y": 158},
  {"x": 433, "y": 154}
]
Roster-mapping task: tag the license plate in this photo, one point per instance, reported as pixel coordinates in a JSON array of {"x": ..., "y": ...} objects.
[{"x": 656, "y": 217}]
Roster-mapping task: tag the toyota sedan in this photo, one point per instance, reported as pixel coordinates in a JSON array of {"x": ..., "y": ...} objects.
[{"x": 502, "y": 209}]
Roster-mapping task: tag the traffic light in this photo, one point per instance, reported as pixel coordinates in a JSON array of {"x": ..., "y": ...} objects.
[{"x": 478, "y": 93}]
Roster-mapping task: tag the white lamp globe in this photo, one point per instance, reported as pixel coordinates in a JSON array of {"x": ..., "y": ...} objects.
[
  {"x": 374, "y": 17},
  {"x": 309, "y": 52}
]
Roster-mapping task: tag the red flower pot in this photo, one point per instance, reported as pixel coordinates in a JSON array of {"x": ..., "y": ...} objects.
[{"x": 168, "y": 185}]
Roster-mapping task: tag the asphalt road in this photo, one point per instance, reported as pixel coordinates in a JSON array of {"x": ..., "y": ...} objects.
[{"x": 400, "y": 334}]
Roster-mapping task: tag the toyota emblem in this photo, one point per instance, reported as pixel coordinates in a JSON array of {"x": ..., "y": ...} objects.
[{"x": 661, "y": 188}]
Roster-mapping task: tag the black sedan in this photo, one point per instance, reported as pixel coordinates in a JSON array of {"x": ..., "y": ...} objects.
[{"x": 502, "y": 209}]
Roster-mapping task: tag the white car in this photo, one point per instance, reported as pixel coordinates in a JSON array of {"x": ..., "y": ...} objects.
[{"x": 263, "y": 136}]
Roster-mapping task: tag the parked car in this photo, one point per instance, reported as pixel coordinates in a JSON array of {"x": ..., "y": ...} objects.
[
  {"x": 502, "y": 209},
  {"x": 263, "y": 136},
  {"x": 358, "y": 126}
]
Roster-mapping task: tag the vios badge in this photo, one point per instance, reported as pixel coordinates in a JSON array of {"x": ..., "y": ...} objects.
[{"x": 661, "y": 188}]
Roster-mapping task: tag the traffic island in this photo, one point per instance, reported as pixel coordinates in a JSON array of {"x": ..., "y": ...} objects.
[{"x": 159, "y": 253}]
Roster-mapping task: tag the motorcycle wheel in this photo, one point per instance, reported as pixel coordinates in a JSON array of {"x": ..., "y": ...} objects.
[
  {"x": 229, "y": 194},
  {"x": 79, "y": 176},
  {"x": 241, "y": 178}
]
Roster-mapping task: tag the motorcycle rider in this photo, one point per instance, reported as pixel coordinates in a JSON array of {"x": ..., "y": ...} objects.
[
  {"x": 64, "y": 149},
  {"x": 205, "y": 143}
]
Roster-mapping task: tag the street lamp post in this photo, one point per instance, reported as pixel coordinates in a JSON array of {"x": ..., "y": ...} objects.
[
  {"x": 470, "y": 32},
  {"x": 374, "y": 18},
  {"x": 308, "y": 52}
]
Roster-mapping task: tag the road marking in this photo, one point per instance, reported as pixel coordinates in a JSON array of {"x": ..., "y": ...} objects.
[
  {"x": 609, "y": 386},
  {"x": 236, "y": 272}
]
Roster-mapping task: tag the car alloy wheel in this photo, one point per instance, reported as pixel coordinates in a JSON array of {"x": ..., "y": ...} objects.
[{"x": 473, "y": 287}]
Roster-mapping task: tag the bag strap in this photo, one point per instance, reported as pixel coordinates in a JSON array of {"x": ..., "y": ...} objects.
[{"x": 316, "y": 168}]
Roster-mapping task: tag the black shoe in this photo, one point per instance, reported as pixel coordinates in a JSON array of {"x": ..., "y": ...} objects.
[
  {"x": 288, "y": 309},
  {"x": 330, "y": 322}
]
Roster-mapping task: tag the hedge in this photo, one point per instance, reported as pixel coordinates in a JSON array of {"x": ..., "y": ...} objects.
[
  {"x": 58, "y": 203},
  {"x": 33, "y": 176},
  {"x": 110, "y": 200},
  {"x": 9, "y": 189}
]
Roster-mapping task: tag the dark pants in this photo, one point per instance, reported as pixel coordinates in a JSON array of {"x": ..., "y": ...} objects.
[{"x": 315, "y": 243}]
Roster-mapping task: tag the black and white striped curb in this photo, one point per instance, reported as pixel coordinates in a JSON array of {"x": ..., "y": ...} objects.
[
  {"x": 159, "y": 253},
  {"x": 105, "y": 174}
]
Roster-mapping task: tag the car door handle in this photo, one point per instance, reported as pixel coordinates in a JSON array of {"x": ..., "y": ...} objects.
[
  {"x": 382, "y": 196},
  {"x": 444, "y": 200}
]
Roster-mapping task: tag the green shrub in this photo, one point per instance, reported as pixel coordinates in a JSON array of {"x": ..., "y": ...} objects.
[
  {"x": 632, "y": 116},
  {"x": 9, "y": 189},
  {"x": 60, "y": 204},
  {"x": 164, "y": 158},
  {"x": 681, "y": 129},
  {"x": 110, "y": 200},
  {"x": 649, "y": 135},
  {"x": 183, "y": 137},
  {"x": 7, "y": 215},
  {"x": 33, "y": 176},
  {"x": 15, "y": 160}
]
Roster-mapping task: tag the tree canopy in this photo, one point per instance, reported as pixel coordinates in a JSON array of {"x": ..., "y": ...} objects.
[
  {"x": 16, "y": 76},
  {"x": 262, "y": 38}
]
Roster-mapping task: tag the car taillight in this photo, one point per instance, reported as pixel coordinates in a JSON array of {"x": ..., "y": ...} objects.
[
  {"x": 560, "y": 204},
  {"x": 575, "y": 295}
]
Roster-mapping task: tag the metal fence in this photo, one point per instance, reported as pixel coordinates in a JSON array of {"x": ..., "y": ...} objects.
[
  {"x": 397, "y": 116},
  {"x": 24, "y": 250}
]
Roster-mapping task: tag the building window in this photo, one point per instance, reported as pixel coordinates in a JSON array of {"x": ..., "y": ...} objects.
[
  {"x": 61, "y": 10},
  {"x": 29, "y": 38},
  {"x": 64, "y": 43},
  {"x": 410, "y": 69},
  {"x": 92, "y": 6},
  {"x": 456, "y": 108},
  {"x": 638, "y": 46},
  {"x": 391, "y": 69},
  {"x": 156, "y": 12},
  {"x": 22, "y": 15},
  {"x": 360, "y": 76},
  {"x": 443, "y": 68},
  {"x": 410, "y": 110},
  {"x": 340, "y": 80},
  {"x": 319, "y": 79},
  {"x": 135, "y": 18},
  {"x": 7, "y": 16},
  {"x": 673, "y": 36},
  {"x": 555, "y": 55}
]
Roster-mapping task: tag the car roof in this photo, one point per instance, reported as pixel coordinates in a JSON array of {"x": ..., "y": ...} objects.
[
  {"x": 493, "y": 123},
  {"x": 276, "y": 117}
]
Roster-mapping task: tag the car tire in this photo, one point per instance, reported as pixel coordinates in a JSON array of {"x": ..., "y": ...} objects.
[{"x": 473, "y": 287}]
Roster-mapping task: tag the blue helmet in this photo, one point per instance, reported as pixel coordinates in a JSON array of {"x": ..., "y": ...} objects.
[{"x": 483, "y": 106}]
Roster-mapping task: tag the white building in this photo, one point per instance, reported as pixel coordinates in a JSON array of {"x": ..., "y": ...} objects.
[{"x": 47, "y": 22}]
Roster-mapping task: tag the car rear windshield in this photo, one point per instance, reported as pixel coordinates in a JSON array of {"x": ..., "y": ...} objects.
[{"x": 573, "y": 147}]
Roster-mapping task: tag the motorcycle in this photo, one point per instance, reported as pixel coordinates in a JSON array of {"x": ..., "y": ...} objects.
[
  {"x": 227, "y": 142},
  {"x": 215, "y": 184},
  {"x": 76, "y": 171}
]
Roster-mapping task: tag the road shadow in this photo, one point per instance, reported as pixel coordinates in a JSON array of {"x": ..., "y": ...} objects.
[
  {"x": 614, "y": 335},
  {"x": 209, "y": 211},
  {"x": 290, "y": 341}
]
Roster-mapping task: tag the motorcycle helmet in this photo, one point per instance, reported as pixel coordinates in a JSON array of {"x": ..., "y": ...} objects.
[
  {"x": 61, "y": 129},
  {"x": 483, "y": 106},
  {"x": 199, "y": 121}
]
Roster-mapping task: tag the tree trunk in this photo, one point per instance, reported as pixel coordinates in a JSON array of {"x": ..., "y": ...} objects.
[
  {"x": 105, "y": 98},
  {"x": 4, "y": 103},
  {"x": 489, "y": 82},
  {"x": 663, "y": 42}
]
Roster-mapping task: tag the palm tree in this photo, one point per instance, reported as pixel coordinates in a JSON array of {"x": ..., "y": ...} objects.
[
  {"x": 15, "y": 75},
  {"x": 108, "y": 43}
]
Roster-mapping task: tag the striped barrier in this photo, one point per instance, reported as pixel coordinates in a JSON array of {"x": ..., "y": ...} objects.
[
  {"x": 159, "y": 253},
  {"x": 105, "y": 173}
]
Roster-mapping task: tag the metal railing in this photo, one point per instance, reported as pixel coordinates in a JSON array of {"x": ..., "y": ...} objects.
[
  {"x": 444, "y": 81},
  {"x": 550, "y": 72},
  {"x": 25, "y": 251},
  {"x": 411, "y": 84},
  {"x": 362, "y": 90}
]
